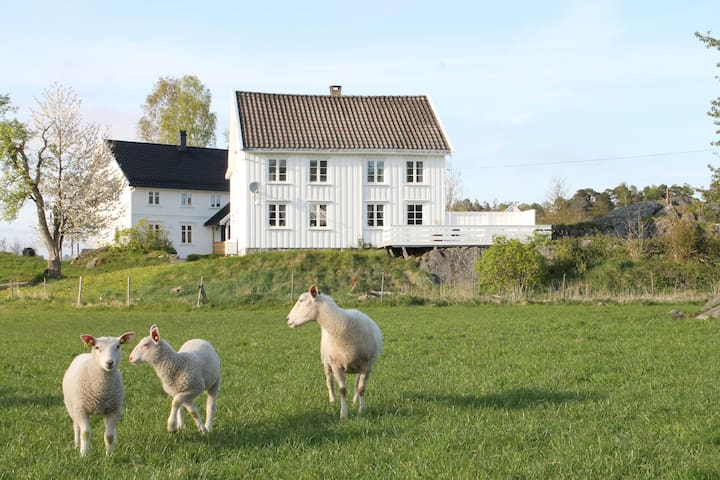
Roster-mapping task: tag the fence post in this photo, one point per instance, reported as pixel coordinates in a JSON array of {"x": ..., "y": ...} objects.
[
  {"x": 79, "y": 299},
  {"x": 202, "y": 296},
  {"x": 382, "y": 287}
]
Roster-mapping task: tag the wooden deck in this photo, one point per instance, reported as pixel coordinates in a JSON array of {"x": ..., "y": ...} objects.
[{"x": 456, "y": 235}]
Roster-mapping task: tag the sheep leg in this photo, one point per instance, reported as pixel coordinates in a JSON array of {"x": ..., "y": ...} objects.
[
  {"x": 340, "y": 377},
  {"x": 110, "y": 432},
  {"x": 210, "y": 406},
  {"x": 186, "y": 401},
  {"x": 174, "y": 421},
  {"x": 329, "y": 382},
  {"x": 83, "y": 426},
  {"x": 360, "y": 390}
]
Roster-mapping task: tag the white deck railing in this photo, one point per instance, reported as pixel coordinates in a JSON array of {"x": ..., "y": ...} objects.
[{"x": 456, "y": 235}]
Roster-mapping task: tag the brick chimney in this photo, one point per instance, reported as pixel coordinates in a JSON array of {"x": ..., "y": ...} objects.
[
  {"x": 335, "y": 90},
  {"x": 182, "y": 140}
]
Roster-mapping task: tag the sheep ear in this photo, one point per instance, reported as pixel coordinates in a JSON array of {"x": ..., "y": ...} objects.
[
  {"x": 88, "y": 340},
  {"x": 126, "y": 337},
  {"x": 314, "y": 291},
  {"x": 155, "y": 333}
]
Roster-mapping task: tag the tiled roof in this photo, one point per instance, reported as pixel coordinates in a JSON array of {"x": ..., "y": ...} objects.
[
  {"x": 167, "y": 166},
  {"x": 344, "y": 122}
]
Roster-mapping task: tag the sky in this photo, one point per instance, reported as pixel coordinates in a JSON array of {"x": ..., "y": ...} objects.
[{"x": 588, "y": 93}]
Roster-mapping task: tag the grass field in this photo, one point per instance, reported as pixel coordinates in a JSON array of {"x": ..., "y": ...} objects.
[{"x": 497, "y": 391}]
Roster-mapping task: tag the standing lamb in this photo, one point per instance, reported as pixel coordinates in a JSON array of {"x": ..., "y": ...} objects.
[
  {"x": 92, "y": 385},
  {"x": 350, "y": 343},
  {"x": 185, "y": 374}
]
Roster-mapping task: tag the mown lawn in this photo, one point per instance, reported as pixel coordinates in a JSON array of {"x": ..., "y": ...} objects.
[{"x": 524, "y": 391}]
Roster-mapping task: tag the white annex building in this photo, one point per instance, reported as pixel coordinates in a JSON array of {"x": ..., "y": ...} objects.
[
  {"x": 176, "y": 188},
  {"x": 339, "y": 171}
]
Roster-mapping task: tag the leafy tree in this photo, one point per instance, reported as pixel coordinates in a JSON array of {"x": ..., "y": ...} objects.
[
  {"x": 62, "y": 165},
  {"x": 711, "y": 42},
  {"x": 178, "y": 104},
  {"x": 712, "y": 194},
  {"x": 511, "y": 267}
]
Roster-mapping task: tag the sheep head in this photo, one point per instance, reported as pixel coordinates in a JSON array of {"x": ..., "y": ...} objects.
[
  {"x": 106, "y": 350},
  {"x": 146, "y": 348},
  {"x": 305, "y": 309}
]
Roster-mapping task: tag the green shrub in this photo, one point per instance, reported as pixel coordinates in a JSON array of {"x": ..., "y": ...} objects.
[
  {"x": 511, "y": 267},
  {"x": 143, "y": 238}
]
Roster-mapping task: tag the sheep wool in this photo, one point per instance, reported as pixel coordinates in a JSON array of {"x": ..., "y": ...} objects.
[
  {"x": 350, "y": 342},
  {"x": 185, "y": 374},
  {"x": 92, "y": 385}
]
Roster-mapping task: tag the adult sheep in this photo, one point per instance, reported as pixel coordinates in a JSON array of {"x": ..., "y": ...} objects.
[
  {"x": 185, "y": 374},
  {"x": 92, "y": 385},
  {"x": 350, "y": 342}
]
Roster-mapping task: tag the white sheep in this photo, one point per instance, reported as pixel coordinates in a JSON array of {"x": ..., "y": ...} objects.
[
  {"x": 92, "y": 385},
  {"x": 185, "y": 374},
  {"x": 350, "y": 343}
]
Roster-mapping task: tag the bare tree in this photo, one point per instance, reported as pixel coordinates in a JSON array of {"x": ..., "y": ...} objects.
[
  {"x": 453, "y": 187},
  {"x": 62, "y": 165}
]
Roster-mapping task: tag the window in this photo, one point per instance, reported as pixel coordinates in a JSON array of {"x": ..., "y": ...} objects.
[
  {"x": 185, "y": 234},
  {"x": 277, "y": 215},
  {"x": 375, "y": 215},
  {"x": 414, "y": 214},
  {"x": 215, "y": 200},
  {"x": 185, "y": 199},
  {"x": 318, "y": 170},
  {"x": 318, "y": 215},
  {"x": 277, "y": 170},
  {"x": 154, "y": 227},
  {"x": 153, "y": 198},
  {"x": 375, "y": 171},
  {"x": 414, "y": 172}
]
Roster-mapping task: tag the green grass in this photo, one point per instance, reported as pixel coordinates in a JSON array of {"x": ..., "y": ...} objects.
[{"x": 498, "y": 391}]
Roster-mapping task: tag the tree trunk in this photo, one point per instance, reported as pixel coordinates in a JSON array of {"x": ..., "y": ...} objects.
[{"x": 54, "y": 266}]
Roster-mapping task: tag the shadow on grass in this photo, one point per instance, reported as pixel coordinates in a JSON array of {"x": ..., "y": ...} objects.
[
  {"x": 515, "y": 399},
  {"x": 13, "y": 399},
  {"x": 311, "y": 428}
]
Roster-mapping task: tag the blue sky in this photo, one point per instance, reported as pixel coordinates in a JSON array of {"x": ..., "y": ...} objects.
[{"x": 591, "y": 92}]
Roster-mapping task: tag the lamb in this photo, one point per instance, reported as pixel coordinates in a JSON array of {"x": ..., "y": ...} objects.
[
  {"x": 350, "y": 343},
  {"x": 185, "y": 374},
  {"x": 92, "y": 385}
]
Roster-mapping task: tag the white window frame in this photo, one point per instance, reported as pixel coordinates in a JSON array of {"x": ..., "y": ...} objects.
[
  {"x": 215, "y": 200},
  {"x": 318, "y": 171},
  {"x": 186, "y": 199},
  {"x": 414, "y": 171},
  {"x": 375, "y": 213},
  {"x": 317, "y": 215},
  {"x": 414, "y": 214},
  {"x": 375, "y": 171},
  {"x": 186, "y": 234},
  {"x": 277, "y": 170},
  {"x": 277, "y": 215},
  {"x": 153, "y": 198}
]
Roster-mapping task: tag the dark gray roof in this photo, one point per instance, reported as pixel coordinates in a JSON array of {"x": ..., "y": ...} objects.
[
  {"x": 219, "y": 215},
  {"x": 167, "y": 166},
  {"x": 339, "y": 122}
]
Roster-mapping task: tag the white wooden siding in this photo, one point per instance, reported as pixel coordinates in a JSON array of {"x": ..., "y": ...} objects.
[{"x": 346, "y": 194}]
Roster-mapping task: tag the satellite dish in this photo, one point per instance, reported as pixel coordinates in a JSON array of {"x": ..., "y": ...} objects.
[{"x": 254, "y": 186}]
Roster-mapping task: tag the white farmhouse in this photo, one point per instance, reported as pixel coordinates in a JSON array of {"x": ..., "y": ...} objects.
[
  {"x": 338, "y": 171},
  {"x": 178, "y": 188}
]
